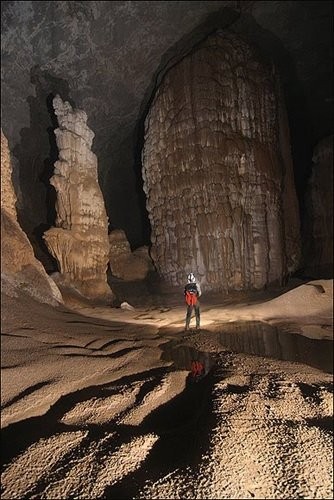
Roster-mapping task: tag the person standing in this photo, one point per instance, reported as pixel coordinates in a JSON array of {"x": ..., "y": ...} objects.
[{"x": 192, "y": 292}]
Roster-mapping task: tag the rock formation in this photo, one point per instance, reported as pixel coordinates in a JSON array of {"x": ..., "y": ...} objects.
[
  {"x": 20, "y": 270},
  {"x": 8, "y": 196},
  {"x": 318, "y": 232},
  {"x": 125, "y": 264},
  {"x": 217, "y": 171},
  {"x": 79, "y": 242},
  {"x": 290, "y": 204}
]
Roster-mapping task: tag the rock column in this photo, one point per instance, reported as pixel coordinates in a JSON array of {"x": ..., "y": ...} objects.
[
  {"x": 215, "y": 175},
  {"x": 79, "y": 242}
]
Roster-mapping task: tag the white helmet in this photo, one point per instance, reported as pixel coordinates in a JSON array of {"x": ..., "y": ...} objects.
[{"x": 191, "y": 278}]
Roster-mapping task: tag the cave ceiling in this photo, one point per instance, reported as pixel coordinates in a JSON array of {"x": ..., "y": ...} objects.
[{"x": 107, "y": 58}]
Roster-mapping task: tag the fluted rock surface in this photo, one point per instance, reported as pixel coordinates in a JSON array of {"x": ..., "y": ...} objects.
[
  {"x": 20, "y": 270},
  {"x": 79, "y": 241},
  {"x": 220, "y": 194},
  {"x": 319, "y": 211},
  {"x": 125, "y": 264}
]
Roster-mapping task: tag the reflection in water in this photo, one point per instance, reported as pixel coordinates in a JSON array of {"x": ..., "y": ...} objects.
[
  {"x": 197, "y": 369},
  {"x": 261, "y": 339},
  {"x": 187, "y": 358}
]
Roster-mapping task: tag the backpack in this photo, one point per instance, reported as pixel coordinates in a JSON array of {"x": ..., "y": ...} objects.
[{"x": 191, "y": 293}]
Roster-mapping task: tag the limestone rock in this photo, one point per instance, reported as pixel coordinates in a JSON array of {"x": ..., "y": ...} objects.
[
  {"x": 125, "y": 264},
  {"x": 319, "y": 211},
  {"x": 292, "y": 230},
  {"x": 127, "y": 306},
  {"x": 8, "y": 196},
  {"x": 218, "y": 185},
  {"x": 108, "y": 56},
  {"x": 144, "y": 253},
  {"x": 20, "y": 270},
  {"x": 79, "y": 241}
]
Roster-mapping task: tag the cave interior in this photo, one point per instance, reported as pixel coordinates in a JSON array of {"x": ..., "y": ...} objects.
[{"x": 109, "y": 59}]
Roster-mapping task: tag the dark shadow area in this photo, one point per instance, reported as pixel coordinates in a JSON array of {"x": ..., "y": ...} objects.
[
  {"x": 222, "y": 19},
  {"x": 146, "y": 226},
  {"x": 49, "y": 163},
  {"x": 149, "y": 292},
  {"x": 41, "y": 251},
  {"x": 237, "y": 389},
  {"x": 311, "y": 391},
  {"x": 184, "y": 425},
  {"x": 36, "y": 155},
  {"x": 19, "y": 436},
  {"x": 323, "y": 423},
  {"x": 107, "y": 344}
]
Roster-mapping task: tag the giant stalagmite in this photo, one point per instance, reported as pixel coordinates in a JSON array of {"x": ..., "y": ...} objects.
[
  {"x": 218, "y": 172},
  {"x": 79, "y": 241}
]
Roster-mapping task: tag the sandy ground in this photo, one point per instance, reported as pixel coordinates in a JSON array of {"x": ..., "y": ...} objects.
[{"x": 94, "y": 407}]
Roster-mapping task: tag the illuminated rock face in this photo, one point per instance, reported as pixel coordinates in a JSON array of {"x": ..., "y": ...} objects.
[
  {"x": 319, "y": 209},
  {"x": 20, "y": 270},
  {"x": 79, "y": 242},
  {"x": 217, "y": 171},
  {"x": 125, "y": 264},
  {"x": 8, "y": 196}
]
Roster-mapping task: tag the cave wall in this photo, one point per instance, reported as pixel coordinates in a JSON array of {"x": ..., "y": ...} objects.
[
  {"x": 108, "y": 57},
  {"x": 100, "y": 56},
  {"x": 124, "y": 264},
  {"x": 318, "y": 231},
  {"x": 21, "y": 272},
  {"x": 35, "y": 155},
  {"x": 218, "y": 172}
]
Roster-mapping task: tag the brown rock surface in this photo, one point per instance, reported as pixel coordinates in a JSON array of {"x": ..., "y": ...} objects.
[
  {"x": 19, "y": 267},
  {"x": 319, "y": 205},
  {"x": 217, "y": 171},
  {"x": 125, "y": 264},
  {"x": 79, "y": 241},
  {"x": 8, "y": 196}
]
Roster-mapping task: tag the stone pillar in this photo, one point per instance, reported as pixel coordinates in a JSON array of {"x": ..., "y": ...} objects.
[
  {"x": 79, "y": 242},
  {"x": 216, "y": 176}
]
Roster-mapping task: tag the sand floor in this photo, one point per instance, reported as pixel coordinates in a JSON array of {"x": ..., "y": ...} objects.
[{"x": 99, "y": 402}]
